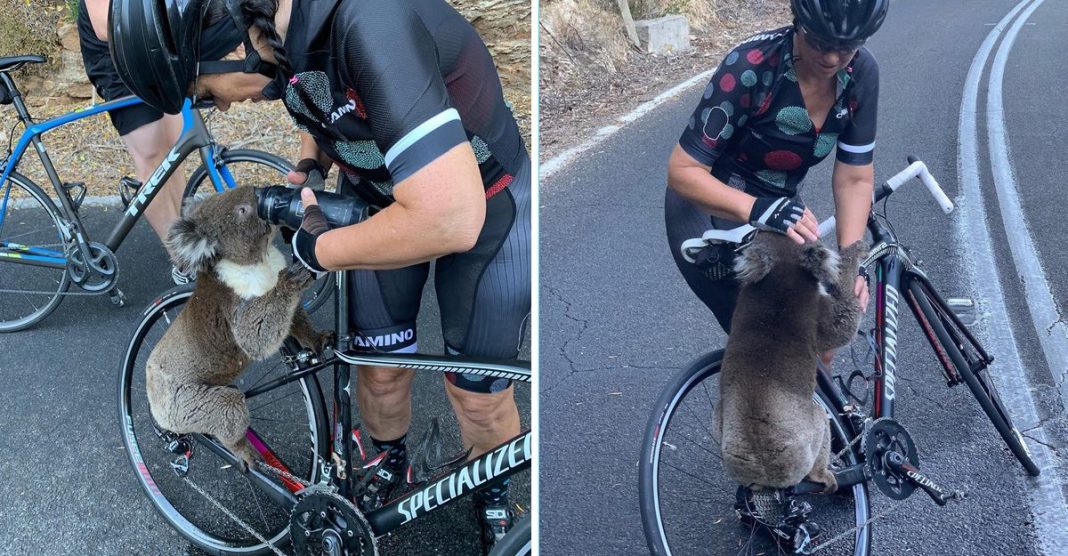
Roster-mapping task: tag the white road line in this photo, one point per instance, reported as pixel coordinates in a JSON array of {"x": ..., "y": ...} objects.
[
  {"x": 562, "y": 159},
  {"x": 1045, "y": 498}
]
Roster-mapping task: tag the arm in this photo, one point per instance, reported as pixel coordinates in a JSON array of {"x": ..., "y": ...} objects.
[
  {"x": 693, "y": 181},
  {"x": 852, "y": 187},
  {"x": 98, "y": 15},
  {"x": 426, "y": 222}
]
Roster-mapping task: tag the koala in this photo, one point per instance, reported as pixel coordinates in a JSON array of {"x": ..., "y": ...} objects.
[
  {"x": 245, "y": 304},
  {"x": 794, "y": 303}
]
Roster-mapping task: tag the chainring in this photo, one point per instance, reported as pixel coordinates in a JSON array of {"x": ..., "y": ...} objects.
[
  {"x": 96, "y": 273},
  {"x": 887, "y": 435},
  {"x": 323, "y": 523}
]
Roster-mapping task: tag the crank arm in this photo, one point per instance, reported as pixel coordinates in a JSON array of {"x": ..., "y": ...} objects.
[{"x": 918, "y": 478}]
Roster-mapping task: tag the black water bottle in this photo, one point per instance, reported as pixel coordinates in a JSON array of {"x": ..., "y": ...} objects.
[{"x": 281, "y": 205}]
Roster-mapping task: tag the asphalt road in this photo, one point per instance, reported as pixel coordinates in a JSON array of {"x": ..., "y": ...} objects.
[
  {"x": 67, "y": 486},
  {"x": 617, "y": 321}
]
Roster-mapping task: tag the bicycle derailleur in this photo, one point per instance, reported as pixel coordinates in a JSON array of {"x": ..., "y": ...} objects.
[
  {"x": 325, "y": 524},
  {"x": 784, "y": 517},
  {"x": 893, "y": 463}
]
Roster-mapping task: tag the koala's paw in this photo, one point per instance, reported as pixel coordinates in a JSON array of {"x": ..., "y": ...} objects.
[
  {"x": 854, "y": 253},
  {"x": 248, "y": 456},
  {"x": 326, "y": 339},
  {"x": 297, "y": 276}
]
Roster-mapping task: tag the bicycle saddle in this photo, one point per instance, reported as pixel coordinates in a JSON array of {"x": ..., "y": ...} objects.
[{"x": 12, "y": 63}]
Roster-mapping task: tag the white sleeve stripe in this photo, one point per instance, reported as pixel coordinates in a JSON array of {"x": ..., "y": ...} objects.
[
  {"x": 856, "y": 149},
  {"x": 422, "y": 130}
]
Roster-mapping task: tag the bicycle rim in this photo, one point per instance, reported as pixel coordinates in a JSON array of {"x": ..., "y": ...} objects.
[
  {"x": 290, "y": 420},
  {"x": 31, "y": 227},
  {"x": 256, "y": 168},
  {"x": 687, "y": 500},
  {"x": 961, "y": 353}
]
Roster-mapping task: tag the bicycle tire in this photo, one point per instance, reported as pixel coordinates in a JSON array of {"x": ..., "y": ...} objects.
[
  {"x": 945, "y": 327},
  {"x": 319, "y": 292},
  {"x": 15, "y": 276},
  {"x": 200, "y": 522},
  {"x": 517, "y": 542},
  {"x": 654, "y": 440}
]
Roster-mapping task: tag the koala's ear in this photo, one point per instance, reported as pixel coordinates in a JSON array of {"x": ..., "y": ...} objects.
[
  {"x": 754, "y": 263},
  {"x": 190, "y": 249},
  {"x": 821, "y": 262}
]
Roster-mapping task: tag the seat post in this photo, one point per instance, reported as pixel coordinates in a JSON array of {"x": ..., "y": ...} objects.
[{"x": 16, "y": 98}]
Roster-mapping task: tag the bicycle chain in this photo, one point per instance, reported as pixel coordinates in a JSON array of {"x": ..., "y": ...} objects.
[
  {"x": 281, "y": 473},
  {"x": 102, "y": 292},
  {"x": 236, "y": 519},
  {"x": 264, "y": 467}
]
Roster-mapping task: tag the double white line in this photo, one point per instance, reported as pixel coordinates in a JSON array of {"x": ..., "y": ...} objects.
[{"x": 1045, "y": 496}]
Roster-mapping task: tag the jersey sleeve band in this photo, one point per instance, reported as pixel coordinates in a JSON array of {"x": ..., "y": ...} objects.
[{"x": 433, "y": 138}]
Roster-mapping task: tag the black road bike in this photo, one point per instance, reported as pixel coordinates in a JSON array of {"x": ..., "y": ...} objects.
[
  {"x": 313, "y": 463},
  {"x": 688, "y": 503}
]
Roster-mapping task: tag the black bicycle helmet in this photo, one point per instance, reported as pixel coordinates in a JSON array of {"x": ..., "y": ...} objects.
[
  {"x": 160, "y": 46},
  {"x": 840, "y": 21}
]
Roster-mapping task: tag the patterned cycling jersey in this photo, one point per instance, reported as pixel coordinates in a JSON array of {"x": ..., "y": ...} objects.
[
  {"x": 386, "y": 87},
  {"x": 752, "y": 128}
]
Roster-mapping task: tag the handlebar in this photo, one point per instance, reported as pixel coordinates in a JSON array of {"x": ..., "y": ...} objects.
[{"x": 915, "y": 169}]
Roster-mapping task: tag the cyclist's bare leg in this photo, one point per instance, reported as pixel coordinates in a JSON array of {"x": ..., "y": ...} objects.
[
  {"x": 384, "y": 396},
  {"x": 486, "y": 420},
  {"x": 148, "y": 145}
]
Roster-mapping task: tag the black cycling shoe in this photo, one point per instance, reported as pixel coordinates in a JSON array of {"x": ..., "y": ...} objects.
[
  {"x": 494, "y": 520},
  {"x": 786, "y": 519}
]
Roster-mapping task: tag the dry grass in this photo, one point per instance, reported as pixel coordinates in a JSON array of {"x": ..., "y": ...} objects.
[{"x": 589, "y": 72}]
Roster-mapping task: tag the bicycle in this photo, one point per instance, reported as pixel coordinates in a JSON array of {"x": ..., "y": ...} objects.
[
  {"x": 867, "y": 447},
  {"x": 302, "y": 490},
  {"x": 46, "y": 248}
]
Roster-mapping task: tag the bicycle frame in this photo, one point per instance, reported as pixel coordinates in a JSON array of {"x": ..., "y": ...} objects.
[
  {"x": 194, "y": 137},
  {"x": 505, "y": 460}
]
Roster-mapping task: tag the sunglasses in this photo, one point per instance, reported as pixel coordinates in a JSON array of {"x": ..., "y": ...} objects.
[{"x": 827, "y": 47}]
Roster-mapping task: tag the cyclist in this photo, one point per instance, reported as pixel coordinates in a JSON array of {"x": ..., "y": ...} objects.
[
  {"x": 405, "y": 99},
  {"x": 778, "y": 104},
  {"x": 146, "y": 131}
]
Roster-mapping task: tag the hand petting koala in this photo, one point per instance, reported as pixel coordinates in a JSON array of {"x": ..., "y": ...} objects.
[
  {"x": 245, "y": 304},
  {"x": 795, "y": 302}
]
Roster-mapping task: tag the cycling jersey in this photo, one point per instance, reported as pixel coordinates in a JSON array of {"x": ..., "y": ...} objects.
[
  {"x": 386, "y": 87},
  {"x": 751, "y": 125}
]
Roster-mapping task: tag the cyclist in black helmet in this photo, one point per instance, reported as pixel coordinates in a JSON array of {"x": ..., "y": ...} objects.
[
  {"x": 405, "y": 99},
  {"x": 779, "y": 103}
]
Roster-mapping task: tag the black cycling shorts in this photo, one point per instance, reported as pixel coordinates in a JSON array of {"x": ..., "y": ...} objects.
[
  {"x": 712, "y": 278},
  {"x": 483, "y": 294},
  {"x": 102, "y": 74}
]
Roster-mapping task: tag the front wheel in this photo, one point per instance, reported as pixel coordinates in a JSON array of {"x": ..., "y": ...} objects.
[
  {"x": 212, "y": 504},
  {"x": 255, "y": 168},
  {"x": 949, "y": 335},
  {"x": 687, "y": 500}
]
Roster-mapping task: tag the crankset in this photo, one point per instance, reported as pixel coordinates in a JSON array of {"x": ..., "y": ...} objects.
[
  {"x": 95, "y": 271},
  {"x": 893, "y": 463},
  {"x": 323, "y": 523}
]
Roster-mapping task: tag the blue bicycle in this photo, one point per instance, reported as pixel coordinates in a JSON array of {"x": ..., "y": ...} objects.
[{"x": 45, "y": 248}]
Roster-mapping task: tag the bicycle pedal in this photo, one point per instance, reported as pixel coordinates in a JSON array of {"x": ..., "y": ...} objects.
[
  {"x": 76, "y": 191},
  {"x": 180, "y": 465},
  {"x": 128, "y": 188},
  {"x": 118, "y": 298}
]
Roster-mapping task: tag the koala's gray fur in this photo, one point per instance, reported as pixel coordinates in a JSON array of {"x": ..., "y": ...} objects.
[
  {"x": 245, "y": 304},
  {"x": 794, "y": 303}
]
